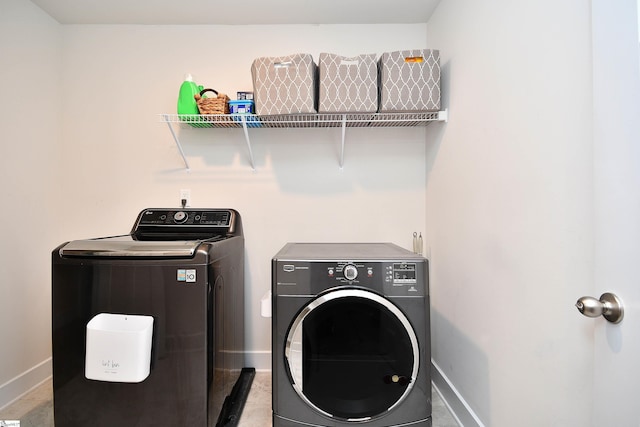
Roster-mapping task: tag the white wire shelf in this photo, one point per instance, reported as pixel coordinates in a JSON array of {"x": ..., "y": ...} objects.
[
  {"x": 322, "y": 120},
  {"x": 307, "y": 120}
]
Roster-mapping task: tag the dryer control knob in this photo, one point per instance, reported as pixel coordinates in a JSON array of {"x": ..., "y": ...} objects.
[
  {"x": 350, "y": 272},
  {"x": 180, "y": 217}
]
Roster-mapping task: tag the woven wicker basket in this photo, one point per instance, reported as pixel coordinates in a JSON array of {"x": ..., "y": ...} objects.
[{"x": 217, "y": 105}]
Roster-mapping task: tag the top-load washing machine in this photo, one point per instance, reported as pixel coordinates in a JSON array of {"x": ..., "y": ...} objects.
[
  {"x": 148, "y": 327},
  {"x": 351, "y": 341}
]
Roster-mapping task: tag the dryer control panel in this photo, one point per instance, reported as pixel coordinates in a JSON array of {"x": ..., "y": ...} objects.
[{"x": 391, "y": 278}]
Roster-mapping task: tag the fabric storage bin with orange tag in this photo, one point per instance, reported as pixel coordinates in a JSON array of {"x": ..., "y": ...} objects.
[
  {"x": 347, "y": 85},
  {"x": 409, "y": 81},
  {"x": 284, "y": 85}
]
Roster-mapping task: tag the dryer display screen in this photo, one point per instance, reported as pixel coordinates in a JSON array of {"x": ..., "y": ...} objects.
[{"x": 404, "y": 273}]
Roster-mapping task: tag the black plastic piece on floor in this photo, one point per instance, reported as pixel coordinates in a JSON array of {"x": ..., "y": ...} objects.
[{"x": 234, "y": 403}]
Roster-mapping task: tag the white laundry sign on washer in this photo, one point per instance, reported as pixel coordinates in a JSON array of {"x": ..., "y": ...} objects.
[{"x": 186, "y": 275}]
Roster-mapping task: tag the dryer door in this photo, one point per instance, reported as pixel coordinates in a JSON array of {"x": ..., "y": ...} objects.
[{"x": 352, "y": 355}]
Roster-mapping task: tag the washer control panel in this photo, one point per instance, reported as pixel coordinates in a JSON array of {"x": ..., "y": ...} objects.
[
  {"x": 160, "y": 217},
  {"x": 186, "y": 224}
]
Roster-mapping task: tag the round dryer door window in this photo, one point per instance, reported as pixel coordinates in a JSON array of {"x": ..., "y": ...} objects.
[{"x": 352, "y": 354}]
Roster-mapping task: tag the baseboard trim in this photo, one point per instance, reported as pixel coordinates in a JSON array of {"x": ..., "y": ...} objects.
[
  {"x": 260, "y": 360},
  {"x": 22, "y": 384},
  {"x": 459, "y": 408}
]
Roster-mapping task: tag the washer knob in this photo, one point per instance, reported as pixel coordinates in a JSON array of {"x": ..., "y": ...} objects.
[
  {"x": 350, "y": 272},
  {"x": 180, "y": 217}
]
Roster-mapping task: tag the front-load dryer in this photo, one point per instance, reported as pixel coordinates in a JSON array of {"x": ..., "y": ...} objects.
[
  {"x": 148, "y": 327},
  {"x": 351, "y": 341}
]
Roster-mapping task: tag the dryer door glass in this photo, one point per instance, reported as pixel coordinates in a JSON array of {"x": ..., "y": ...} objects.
[{"x": 352, "y": 354}]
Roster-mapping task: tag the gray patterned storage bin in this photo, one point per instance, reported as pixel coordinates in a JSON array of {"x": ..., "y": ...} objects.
[
  {"x": 347, "y": 85},
  {"x": 410, "y": 81},
  {"x": 284, "y": 85}
]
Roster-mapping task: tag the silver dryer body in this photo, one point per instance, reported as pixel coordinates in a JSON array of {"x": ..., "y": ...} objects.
[{"x": 351, "y": 341}]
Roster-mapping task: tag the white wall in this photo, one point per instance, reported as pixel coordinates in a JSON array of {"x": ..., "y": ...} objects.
[
  {"x": 509, "y": 209},
  {"x": 84, "y": 151},
  {"x": 118, "y": 158},
  {"x": 30, "y": 48},
  {"x": 507, "y": 179},
  {"x": 506, "y": 198}
]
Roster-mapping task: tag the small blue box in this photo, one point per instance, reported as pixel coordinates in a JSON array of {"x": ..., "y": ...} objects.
[
  {"x": 246, "y": 108},
  {"x": 241, "y": 106}
]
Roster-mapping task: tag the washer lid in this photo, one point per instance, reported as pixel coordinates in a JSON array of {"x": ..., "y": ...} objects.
[{"x": 126, "y": 246}]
